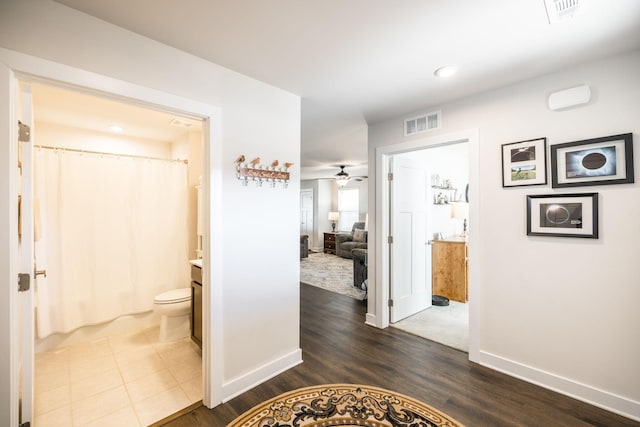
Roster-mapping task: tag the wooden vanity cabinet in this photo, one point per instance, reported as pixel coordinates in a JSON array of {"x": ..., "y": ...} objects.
[
  {"x": 449, "y": 268},
  {"x": 196, "y": 305}
]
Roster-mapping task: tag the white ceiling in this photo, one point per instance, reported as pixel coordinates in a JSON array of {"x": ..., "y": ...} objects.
[
  {"x": 356, "y": 62},
  {"x": 84, "y": 111}
]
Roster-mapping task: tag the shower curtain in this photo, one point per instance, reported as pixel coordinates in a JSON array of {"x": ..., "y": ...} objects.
[{"x": 111, "y": 233}]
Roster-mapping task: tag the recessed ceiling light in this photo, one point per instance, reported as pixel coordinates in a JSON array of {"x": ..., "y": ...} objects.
[
  {"x": 115, "y": 128},
  {"x": 446, "y": 71}
]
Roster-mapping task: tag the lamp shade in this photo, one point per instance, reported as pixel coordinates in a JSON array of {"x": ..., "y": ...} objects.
[
  {"x": 459, "y": 210},
  {"x": 333, "y": 216}
]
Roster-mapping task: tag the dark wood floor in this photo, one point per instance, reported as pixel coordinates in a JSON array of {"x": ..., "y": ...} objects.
[{"x": 339, "y": 348}]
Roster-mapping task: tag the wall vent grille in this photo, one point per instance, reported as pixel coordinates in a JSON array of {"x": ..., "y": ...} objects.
[{"x": 424, "y": 123}]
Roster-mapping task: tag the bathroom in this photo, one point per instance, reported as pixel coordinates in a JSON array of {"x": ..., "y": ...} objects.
[{"x": 104, "y": 362}]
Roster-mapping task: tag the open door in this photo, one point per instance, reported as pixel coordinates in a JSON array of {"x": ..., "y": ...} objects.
[
  {"x": 409, "y": 252},
  {"x": 27, "y": 270}
]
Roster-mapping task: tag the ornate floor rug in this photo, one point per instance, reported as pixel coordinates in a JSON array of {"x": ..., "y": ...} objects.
[
  {"x": 329, "y": 272},
  {"x": 343, "y": 405}
]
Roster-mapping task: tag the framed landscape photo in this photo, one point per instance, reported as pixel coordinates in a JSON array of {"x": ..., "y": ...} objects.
[
  {"x": 564, "y": 215},
  {"x": 524, "y": 163},
  {"x": 598, "y": 161}
]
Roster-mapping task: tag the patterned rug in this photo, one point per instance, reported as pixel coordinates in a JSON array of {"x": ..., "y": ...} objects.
[
  {"x": 330, "y": 272},
  {"x": 343, "y": 405}
]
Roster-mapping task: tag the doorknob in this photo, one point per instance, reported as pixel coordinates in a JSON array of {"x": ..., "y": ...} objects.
[{"x": 37, "y": 273}]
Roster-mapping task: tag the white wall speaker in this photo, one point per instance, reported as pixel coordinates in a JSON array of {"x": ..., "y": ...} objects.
[{"x": 569, "y": 98}]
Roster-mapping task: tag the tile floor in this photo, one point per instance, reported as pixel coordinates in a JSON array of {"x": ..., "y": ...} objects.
[{"x": 131, "y": 380}]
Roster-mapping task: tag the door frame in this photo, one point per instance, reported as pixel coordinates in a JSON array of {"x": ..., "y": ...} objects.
[
  {"x": 32, "y": 69},
  {"x": 378, "y": 302}
]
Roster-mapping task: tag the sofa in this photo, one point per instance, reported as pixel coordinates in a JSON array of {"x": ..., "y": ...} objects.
[
  {"x": 346, "y": 242},
  {"x": 359, "y": 267},
  {"x": 304, "y": 246}
]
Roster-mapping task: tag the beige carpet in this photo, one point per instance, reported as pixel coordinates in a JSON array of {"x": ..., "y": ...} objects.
[
  {"x": 330, "y": 272},
  {"x": 343, "y": 405},
  {"x": 447, "y": 325}
]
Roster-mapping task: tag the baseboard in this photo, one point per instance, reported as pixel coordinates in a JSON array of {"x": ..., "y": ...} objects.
[
  {"x": 248, "y": 381},
  {"x": 591, "y": 395},
  {"x": 370, "y": 319}
]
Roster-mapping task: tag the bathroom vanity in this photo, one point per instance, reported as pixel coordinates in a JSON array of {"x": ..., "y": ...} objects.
[{"x": 196, "y": 301}]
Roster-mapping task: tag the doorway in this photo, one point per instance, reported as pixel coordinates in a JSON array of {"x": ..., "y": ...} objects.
[
  {"x": 111, "y": 353},
  {"x": 447, "y": 206},
  {"x": 379, "y": 296},
  {"x": 33, "y": 70}
]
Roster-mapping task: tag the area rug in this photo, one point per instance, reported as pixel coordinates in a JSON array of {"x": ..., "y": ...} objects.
[
  {"x": 343, "y": 405},
  {"x": 330, "y": 272}
]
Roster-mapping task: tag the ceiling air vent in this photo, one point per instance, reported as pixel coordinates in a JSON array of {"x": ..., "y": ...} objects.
[
  {"x": 421, "y": 124},
  {"x": 560, "y": 10},
  {"x": 179, "y": 123}
]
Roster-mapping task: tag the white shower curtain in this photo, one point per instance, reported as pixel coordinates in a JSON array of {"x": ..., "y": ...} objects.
[{"x": 112, "y": 234}]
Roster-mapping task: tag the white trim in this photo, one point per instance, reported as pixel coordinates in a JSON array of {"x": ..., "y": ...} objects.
[
  {"x": 246, "y": 382},
  {"x": 586, "y": 393},
  {"x": 30, "y": 68},
  {"x": 383, "y": 153},
  {"x": 370, "y": 319},
  {"x": 9, "y": 250}
]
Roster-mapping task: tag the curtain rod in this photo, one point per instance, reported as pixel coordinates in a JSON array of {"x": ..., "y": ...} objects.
[{"x": 76, "y": 150}]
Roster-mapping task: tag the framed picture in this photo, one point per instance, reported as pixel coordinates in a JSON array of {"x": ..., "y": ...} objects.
[
  {"x": 598, "y": 161},
  {"x": 564, "y": 215},
  {"x": 524, "y": 163}
]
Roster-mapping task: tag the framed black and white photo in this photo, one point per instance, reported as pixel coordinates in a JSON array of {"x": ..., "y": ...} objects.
[
  {"x": 564, "y": 215},
  {"x": 598, "y": 161},
  {"x": 524, "y": 163}
]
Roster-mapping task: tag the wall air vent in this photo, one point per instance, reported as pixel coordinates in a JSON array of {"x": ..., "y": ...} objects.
[
  {"x": 561, "y": 10},
  {"x": 422, "y": 123}
]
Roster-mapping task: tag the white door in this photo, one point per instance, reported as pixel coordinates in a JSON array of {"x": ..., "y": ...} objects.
[
  {"x": 410, "y": 255},
  {"x": 26, "y": 258},
  {"x": 306, "y": 214}
]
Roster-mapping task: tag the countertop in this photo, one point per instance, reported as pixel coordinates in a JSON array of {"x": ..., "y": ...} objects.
[{"x": 196, "y": 262}]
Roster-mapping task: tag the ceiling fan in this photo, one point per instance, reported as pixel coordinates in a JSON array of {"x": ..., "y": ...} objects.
[{"x": 342, "y": 178}]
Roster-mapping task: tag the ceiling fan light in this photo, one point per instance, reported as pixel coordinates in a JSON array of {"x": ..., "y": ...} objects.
[{"x": 342, "y": 180}]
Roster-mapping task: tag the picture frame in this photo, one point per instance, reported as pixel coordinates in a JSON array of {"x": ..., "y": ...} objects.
[
  {"x": 598, "y": 161},
  {"x": 563, "y": 215},
  {"x": 524, "y": 163}
]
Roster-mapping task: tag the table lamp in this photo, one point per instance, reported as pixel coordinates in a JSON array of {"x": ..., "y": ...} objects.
[{"x": 333, "y": 217}]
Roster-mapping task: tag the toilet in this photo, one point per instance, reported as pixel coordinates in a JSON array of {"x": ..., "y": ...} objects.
[{"x": 175, "y": 308}]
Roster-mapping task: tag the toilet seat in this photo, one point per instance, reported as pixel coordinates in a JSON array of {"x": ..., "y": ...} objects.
[{"x": 173, "y": 296}]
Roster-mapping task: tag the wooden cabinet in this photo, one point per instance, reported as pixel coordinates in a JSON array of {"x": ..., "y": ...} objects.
[
  {"x": 330, "y": 243},
  {"x": 196, "y": 305},
  {"x": 449, "y": 268}
]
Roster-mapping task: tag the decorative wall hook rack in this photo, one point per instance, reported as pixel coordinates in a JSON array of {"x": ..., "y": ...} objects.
[{"x": 254, "y": 171}]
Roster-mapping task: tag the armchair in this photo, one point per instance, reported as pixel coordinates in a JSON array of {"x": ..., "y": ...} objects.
[
  {"x": 346, "y": 242},
  {"x": 359, "y": 267}
]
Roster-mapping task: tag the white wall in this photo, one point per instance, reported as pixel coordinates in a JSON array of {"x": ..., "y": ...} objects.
[
  {"x": 258, "y": 266},
  {"x": 561, "y": 312}
]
